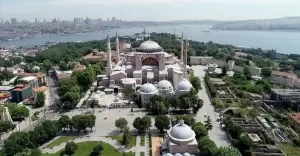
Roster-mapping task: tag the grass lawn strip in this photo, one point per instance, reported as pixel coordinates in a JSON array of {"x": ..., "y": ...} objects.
[
  {"x": 86, "y": 148},
  {"x": 290, "y": 149},
  {"x": 119, "y": 138},
  {"x": 142, "y": 154},
  {"x": 142, "y": 141},
  {"x": 59, "y": 141}
]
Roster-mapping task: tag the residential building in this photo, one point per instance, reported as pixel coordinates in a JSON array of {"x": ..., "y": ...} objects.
[
  {"x": 283, "y": 78},
  {"x": 40, "y": 76},
  {"x": 20, "y": 93},
  {"x": 32, "y": 81},
  {"x": 285, "y": 95},
  {"x": 294, "y": 120}
]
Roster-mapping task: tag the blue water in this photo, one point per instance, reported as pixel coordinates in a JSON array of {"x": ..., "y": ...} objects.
[{"x": 283, "y": 41}]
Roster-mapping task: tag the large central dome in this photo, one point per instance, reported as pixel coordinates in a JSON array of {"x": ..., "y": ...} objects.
[{"x": 149, "y": 46}]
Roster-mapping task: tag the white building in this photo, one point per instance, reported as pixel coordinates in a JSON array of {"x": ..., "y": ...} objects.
[
  {"x": 146, "y": 92},
  {"x": 165, "y": 88},
  {"x": 147, "y": 63},
  {"x": 183, "y": 87},
  {"x": 180, "y": 139}
]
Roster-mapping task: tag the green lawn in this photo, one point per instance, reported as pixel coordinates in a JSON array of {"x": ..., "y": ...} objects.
[
  {"x": 119, "y": 138},
  {"x": 142, "y": 154},
  {"x": 142, "y": 141},
  {"x": 60, "y": 140},
  {"x": 85, "y": 149},
  {"x": 290, "y": 149}
]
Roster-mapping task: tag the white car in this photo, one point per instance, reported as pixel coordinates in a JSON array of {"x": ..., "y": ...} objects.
[{"x": 205, "y": 115}]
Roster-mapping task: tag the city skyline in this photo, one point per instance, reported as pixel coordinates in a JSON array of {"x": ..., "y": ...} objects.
[{"x": 137, "y": 10}]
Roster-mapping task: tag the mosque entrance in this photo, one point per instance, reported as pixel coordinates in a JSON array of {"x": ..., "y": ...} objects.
[{"x": 150, "y": 61}]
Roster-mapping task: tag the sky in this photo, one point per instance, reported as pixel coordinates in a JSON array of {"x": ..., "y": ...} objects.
[{"x": 148, "y": 10}]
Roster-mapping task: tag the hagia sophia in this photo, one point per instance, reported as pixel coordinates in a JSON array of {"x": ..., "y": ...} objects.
[{"x": 149, "y": 69}]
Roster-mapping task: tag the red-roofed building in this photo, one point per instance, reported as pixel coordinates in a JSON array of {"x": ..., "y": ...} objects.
[
  {"x": 283, "y": 78},
  {"x": 294, "y": 120}
]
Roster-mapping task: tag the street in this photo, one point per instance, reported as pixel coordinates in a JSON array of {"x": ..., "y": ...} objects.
[{"x": 217, "y": 135}]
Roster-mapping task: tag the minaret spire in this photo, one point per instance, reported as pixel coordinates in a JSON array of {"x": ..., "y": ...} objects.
[
  {"x": 185, "y": 58},
  {"x": 109, "y": 66},
  {"x": 181, "y": 54},
  {"x": 117, "y": 48}
]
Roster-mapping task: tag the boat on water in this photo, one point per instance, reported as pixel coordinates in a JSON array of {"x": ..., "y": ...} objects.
[{"x": 206, "y": 31}]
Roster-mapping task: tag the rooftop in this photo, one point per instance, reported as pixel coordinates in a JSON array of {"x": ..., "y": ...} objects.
[
  {"x": 295, "y": 117},
  {"x": 286, "y": 91},
  {"x": 279, "y": 73},
  {"x": 6, "y": 88},
  {"x": 40, "y": 89},
  {"x": 28, "y": 78}
]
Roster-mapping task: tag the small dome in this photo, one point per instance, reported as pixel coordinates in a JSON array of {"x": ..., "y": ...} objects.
[
  {"x": 164, "y": 84},
  {"x": 149, "y": 45},
  {"x": 177, "y": 154},
  {"x": 182, "y": 131},
  {"x": 186, "y": 154},
  {"x": 184, "y": 85},
  {"x": 148, "y": 88},
  {"x": 168, "y": 154}
]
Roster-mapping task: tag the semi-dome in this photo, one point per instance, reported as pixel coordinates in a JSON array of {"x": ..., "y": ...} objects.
[
  {"x": 184, "y": 85},
  {"x": 177, "y": 154},
  {"x": 186, "y": 154},
  {"x": 148, "y": 88},
  {"x": 164, "y": 84},
  {"x": 168, "y": 154},
  {"x": 149, "y": 45},
  {"x": 182, "y": 132}
]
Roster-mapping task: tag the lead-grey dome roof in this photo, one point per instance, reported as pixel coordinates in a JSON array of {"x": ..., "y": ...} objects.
[
  {"x": 186, "y": 154},
  {"x": 184, "y": 85},
  {"x": 182, "y": 131},
  {"x": 149, "y": 45},
  {"x": 177, "y": 154},
  {"x": 168, "y": 154},
  {"x": 148, "y": 88},
  {"x": 164, "y": 84}
]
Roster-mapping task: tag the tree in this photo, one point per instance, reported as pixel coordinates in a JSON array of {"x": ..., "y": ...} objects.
[
  {"x": 126, "y": 137},
  {"x": 195, "y": 81},
  {"x": 224, "y": 70},
  {"x": 208, "y": 124},
  {"x": 162, "y": 122},
  {"x": 188, "y": 120},
  {"x": 40, "y": 100},
  {"x": 30, "y": 152},
  {"x": 16, "y": 143},
  {"x": 158, "y": 107},
  {"x": 266, "y": 71},
  {"x": 247, "y": 72},
  {"x": 172, "y": 101},
  {"x": 207, "y": 146},
  {"x": 63, "y": 66},
  {"x": 121, "y": 123},
  {"x": 200, "y": 131},
  {"x": 5, "y": 126},
  {"x": 64, "y": 121},
  {"x": 17, "y": 112},
  {"x": 243, "y": 143},
  {"x": 142, "y": 124},
  {"x": 47, "y": 65},
  {"x": 70, "y": 148},
  {"x": 226, "y": 151},
  {"x": 97, "y": 150}
]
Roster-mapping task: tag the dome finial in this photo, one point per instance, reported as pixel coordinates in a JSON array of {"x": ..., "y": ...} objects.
[{"x": 181, "y": 122}]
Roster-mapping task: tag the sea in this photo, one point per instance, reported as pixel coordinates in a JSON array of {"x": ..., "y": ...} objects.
[{"x": 286, "y": 42}]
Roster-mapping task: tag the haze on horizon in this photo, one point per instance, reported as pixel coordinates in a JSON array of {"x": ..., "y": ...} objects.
[{"x": 150, "y": 10}]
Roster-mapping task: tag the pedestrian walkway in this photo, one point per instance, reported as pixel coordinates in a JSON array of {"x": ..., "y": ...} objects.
[
  {"x": 108, "y": 140},
  {"x": 140, "y": 148}
]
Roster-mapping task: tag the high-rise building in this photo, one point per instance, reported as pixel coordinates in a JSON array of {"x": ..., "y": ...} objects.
[
  {"x": 45, "y": 20},
  {"x": 2, "y": 22},
  {"x": 13, "y": 20},
  {"x": 76, "y": 20},
  {"x": 36, "y": 20}
]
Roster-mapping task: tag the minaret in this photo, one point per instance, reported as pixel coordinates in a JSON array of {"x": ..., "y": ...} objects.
[
  {"x": 181, "y": 54},
  {"x": 185, "y": 59},
  {"x": 109, "y": 66},
  {"x": 117, "y": 48}
]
